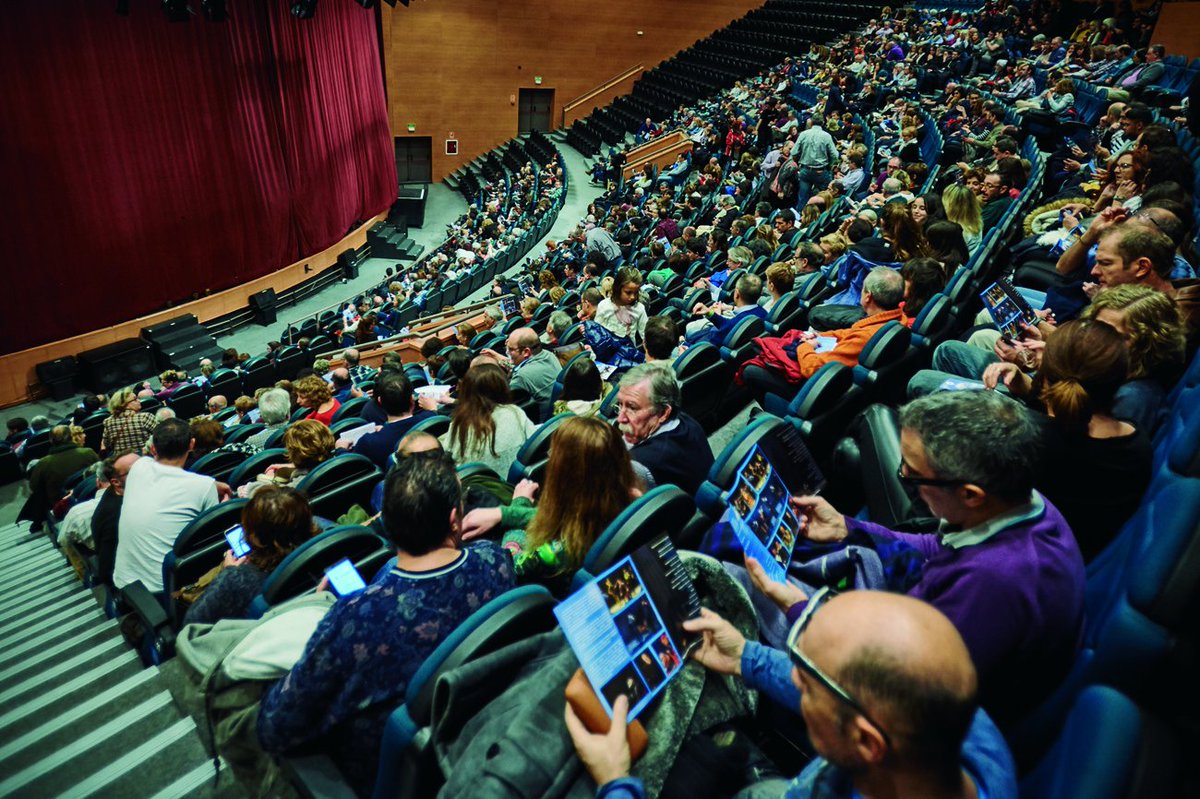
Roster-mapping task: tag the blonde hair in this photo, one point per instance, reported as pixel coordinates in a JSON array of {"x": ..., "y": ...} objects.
[
  {"x": 962, "y": 206},
  {"x": 120, "y": 398},
  {"x": 1156, "y": 333}
]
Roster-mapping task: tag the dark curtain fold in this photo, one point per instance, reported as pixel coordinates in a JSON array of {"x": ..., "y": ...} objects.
[{"x": 144, "y": 162}]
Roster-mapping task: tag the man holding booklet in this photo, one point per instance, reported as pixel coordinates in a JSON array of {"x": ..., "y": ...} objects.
[{"x": 1021, "y": 634}]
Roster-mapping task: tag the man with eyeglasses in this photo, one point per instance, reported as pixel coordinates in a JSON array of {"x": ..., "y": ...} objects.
[{"x": 887, "y": 691}]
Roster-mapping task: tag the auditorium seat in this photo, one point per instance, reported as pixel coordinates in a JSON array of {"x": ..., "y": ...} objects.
[
  {"x": 188, "y": 402},
  {"x": 1109, "y": 748},
  {"x": 351, "y": 408},
  {"x": 665, "y": 509},
  {"x": 218, "y": 465},
  {"x": 241, "y": 432},
  {"x": 255, "y": 465},
  {"x": 407, "y": 766},
  {"x": 225, "y": 382},
  {"x": 533, "y": 454},
  {"x": 258, "y": 372},
  {"x": 304, "y": 567},
  {"x": 338, "y": 483}
]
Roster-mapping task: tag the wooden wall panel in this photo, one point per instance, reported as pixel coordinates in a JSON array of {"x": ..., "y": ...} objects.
[
  {"x": 18, "y": 380},
  {"x": 1179, "y": 29},
  {"x": 456, "y": 66}
]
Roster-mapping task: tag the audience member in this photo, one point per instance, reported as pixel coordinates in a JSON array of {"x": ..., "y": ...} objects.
[
  {"x": 534, "y": 368},
  {"x": 784, "y": 362},
  {"x": 315, "y": 394},
  {"x": 308, "y": 444},
  {"x": 274, "y": 522},
  {"x": 358, "y": 662},
  {"x": 127, "y": 427},
  {"x": 52, "y": 470},
  {"x": 660, "y": 436},
  {"x": 160, "y": 500},
  {"x": 274, "y": 411},
  {"x": 485, "y": 426},
  {"x": 395, "y": 395}
]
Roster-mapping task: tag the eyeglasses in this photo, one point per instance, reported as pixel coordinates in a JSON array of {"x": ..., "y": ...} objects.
[
  {"x": 803, "y": 663},
  {"x": 933, "y": 482}
]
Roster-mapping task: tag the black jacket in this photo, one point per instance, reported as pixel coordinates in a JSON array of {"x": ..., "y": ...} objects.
[{"x": 680, "y": 457}]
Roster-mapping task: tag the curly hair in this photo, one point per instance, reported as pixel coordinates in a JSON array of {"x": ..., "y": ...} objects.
[
  {"x": 308, "y": 443},
  {"x": 1153, "y": 325},
  {"x": 314, "y": 389}
]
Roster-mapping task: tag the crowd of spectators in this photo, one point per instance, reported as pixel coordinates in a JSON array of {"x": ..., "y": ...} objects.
[{"x": 880, "y": 165}]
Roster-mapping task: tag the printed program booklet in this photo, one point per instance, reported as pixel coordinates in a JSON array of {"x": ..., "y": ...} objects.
[
  {"x": 1008, "y": 308},
  {"x": 760, "y": 515},
  {"x": 626, "y": 626}
]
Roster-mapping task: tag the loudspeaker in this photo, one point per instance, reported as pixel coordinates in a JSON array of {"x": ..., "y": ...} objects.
[
  {"x": 263, "y": 305},
  {"x": 349, "y": 265},
  {"x": 58, "y": 376},
  {"x": 114, "y": 365}
]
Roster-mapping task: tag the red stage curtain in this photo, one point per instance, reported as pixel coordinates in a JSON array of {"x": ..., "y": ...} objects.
[{"x": 144, "y": 162}]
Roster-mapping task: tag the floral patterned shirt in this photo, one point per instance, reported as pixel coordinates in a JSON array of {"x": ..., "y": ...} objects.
[{"x": 357, "y": 664}]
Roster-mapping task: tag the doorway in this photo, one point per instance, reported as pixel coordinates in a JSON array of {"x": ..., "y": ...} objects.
[
  {"x": 414, "y": 159},
  {"x": 533, "y": 110}
]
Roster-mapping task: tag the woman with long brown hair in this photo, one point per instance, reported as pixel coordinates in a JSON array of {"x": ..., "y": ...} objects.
[
  {"x": 486, "y": 427},
  {"x": 571, "y": 512}
]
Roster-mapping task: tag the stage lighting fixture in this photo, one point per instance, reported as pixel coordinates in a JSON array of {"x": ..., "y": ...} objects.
[
  {"x": 304, "y": 9},
  {"x": 214, "y": 10},
  {"x": 177, "y": 10}
]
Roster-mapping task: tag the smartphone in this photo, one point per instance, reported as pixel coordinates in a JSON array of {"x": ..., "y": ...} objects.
[
  {"x": 344, "y": 579},
  {"x": 236, "y": 537}
]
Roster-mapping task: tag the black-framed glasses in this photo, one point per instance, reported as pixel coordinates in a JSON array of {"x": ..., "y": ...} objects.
[
  {"x": 932, "y": 482},
  {"x": 804, "y": 664}
]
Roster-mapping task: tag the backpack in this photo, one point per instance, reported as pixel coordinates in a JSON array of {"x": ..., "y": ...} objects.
[{"x": 228, "y": 667}]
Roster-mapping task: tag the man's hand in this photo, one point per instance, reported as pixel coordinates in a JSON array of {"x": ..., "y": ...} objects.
[
  {"x": 784, "y": 595},
  {"x": 722, "y": 645},
  {"x": 224, "y": 492},
  {"x": 606, "y": 756},
  {"x": 479, "y": 523},
  {"x": 819, "y": 521},
  {"x": 1091, "y": 289},
  {"x": 699, "y": 309}
]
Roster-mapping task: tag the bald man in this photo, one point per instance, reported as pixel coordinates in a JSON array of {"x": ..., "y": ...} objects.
[
  {"x": 887, "y": 691},
  {"x": 534, "y": 368}
]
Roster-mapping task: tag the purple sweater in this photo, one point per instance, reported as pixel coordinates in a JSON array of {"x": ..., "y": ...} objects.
[{"x": 1017, "y": 601}]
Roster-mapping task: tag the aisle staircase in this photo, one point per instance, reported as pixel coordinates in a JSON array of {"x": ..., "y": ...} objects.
[{"x": 79, "y": 715}]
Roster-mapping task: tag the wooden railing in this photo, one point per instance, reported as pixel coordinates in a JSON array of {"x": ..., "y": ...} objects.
[
  {"x": 660, "y": 152},
  {"x": 603, "y": 94}
]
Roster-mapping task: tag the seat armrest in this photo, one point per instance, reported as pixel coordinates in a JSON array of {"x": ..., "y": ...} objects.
[
  {"x": 149, "y": 610},
  {"x": 315, "y": 777}
]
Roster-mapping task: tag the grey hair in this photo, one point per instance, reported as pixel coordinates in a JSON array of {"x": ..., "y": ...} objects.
[
  {"x": 886, "y": 286},
  {"x": 559, "y": 321},
  {"x": 742, "y": 256},
  {"x": 163, "y": 414},
  {"x": 495, "y": 314},
  {"x": 892, "y": 186},
  {"x": 979, "y": 437},
  {"x": 662, "y": 383},
  {"x": 274, "y": 406}
]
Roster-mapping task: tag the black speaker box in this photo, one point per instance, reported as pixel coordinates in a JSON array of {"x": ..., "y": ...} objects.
[
  {"x": 263, "y": 306},
  {"x": 349, "y": 265},
  {"x": 58, "y": 376},
  {"x": 115, "y": 365}
]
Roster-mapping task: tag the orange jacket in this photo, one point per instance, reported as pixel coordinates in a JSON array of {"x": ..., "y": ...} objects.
[{"x": 851, "y": 341}]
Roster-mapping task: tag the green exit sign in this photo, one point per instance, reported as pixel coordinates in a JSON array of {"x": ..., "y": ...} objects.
[
  {"x": 537, "y": 79},
  {"x": 412, "y": 128}
]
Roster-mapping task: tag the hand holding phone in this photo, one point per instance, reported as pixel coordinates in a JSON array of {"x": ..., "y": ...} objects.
[
  {"x": 236, "y": 537},
  {"x": 344, "y": 579}
]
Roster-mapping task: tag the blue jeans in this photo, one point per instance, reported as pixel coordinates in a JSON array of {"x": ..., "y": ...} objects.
[{"x": 810, "y": 181}]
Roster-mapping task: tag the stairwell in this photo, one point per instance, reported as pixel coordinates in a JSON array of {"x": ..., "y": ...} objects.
[{"x": 79, "y": 714}]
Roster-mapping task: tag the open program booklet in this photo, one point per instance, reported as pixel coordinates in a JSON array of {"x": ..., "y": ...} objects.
[
  {"x": 626, "y": 625},
  {"x": 760, "y": 515}
]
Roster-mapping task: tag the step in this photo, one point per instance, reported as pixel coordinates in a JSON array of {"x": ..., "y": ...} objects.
[{"x": 130, "y": 737}]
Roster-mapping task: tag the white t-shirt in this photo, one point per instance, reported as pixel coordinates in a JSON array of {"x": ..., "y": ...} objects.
[{"x": 159, "y": 502}]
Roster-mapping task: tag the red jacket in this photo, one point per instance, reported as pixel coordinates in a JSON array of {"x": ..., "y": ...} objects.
[{"x": 775, "y": 354}]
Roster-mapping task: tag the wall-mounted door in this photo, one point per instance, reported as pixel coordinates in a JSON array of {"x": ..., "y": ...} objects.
[
  {"x": 414, "y": 159},
  {"x": 533, "y": 110}
]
